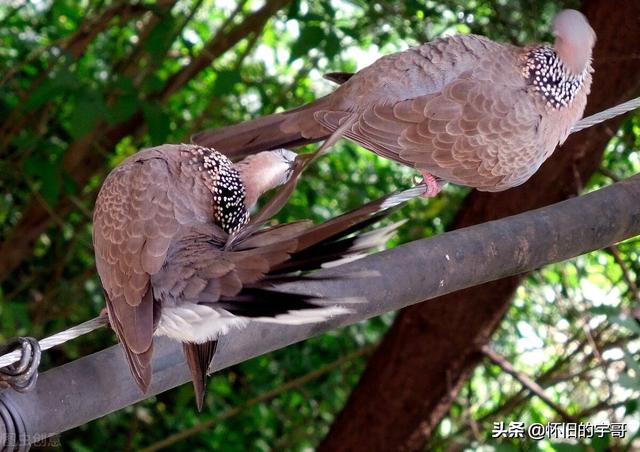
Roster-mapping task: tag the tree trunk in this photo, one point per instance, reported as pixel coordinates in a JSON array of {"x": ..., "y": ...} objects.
[{"x": 431, "y": 349}]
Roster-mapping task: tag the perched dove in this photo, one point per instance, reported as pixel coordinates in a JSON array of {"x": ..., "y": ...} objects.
[
  {"x": 462, "y": 109},
  {"x": 178, "y": 256}
]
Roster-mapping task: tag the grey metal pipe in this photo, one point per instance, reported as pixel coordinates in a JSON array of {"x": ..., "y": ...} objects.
[{"x": 70, "y": 395}]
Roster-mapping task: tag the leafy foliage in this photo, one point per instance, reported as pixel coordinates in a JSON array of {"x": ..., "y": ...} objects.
[{"x": 85, "y": 84}]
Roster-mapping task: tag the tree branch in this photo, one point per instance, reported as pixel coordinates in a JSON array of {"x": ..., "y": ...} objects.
[
  {"x": 221, "y": 43},
  {"x": 546, "y": 379},
  {"x": 626, "y": 272},
  {"x": 610, "y": 174},
  {"x": 527, "y": 382}
]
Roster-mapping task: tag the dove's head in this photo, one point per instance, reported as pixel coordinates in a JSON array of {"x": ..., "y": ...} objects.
[
  {"x": 574, "y": 40},
  {"x": 263, "y": 171}
]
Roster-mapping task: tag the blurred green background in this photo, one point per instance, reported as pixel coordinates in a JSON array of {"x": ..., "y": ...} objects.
[{"x": 83, "y": 84}]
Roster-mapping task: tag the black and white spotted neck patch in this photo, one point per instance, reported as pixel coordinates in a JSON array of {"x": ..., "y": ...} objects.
[
  {"x": 227, "y": 188},
  {"x": 550, "y": 77}
]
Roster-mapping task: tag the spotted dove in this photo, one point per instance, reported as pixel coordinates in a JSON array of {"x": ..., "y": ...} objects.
[
  {"x": 462, "y": 109},
  {"x": 178, "y": 255}
]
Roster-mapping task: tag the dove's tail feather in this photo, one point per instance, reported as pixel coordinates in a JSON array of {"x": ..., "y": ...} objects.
[{"x": 290, "y": 129}]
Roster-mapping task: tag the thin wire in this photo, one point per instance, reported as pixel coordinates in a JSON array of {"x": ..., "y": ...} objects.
[
  {"x": 606, "y": 114},
  {"x": 58, "y": 338},
  {"x": 98, "y": 322}
]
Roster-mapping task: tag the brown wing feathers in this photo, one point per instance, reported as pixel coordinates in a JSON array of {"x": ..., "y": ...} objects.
[
  {"x": 132, "y": 232},
  {"x": 263, "y": 134}
]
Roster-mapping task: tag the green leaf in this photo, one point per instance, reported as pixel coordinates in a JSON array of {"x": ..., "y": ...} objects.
[
  {"x": 160, "y": 38},
  {"x": 47, "y": 90},
  {"x": 567, "y": 447},
  {"x": 51, "y": 186},
  {"x": 631, "y": 363},
  {"x": 625, "y": 380},
  {"x": 69, "y": 185},
  {"x": 604, "y": 309},
  {"x": 310, "y": 37},
  {"x": 503, "y": 447},
  {"x": 328, "y": 9},
  {"x": 85, "y": 114},
  {"x": 225, "y": 81},
  {"x": 15, "y": 314},
  {"x": 157, "y": 121},
  {"x": 123, "y": 108},
  {"x": 152, "y": 83},
  {"x": 351, "y": 31},
  {"x": 50, "y": 88},
  {"x": 332, "y": 45},
  {"x": 628, "y": 323},
  {"x": 294, "y": 10},
  {"x": 600, "y": 444},
  {"x": 47, "y": 174}
]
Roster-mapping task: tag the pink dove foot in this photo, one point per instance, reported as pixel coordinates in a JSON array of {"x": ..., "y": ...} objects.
[{"x": 432, "y": 184}]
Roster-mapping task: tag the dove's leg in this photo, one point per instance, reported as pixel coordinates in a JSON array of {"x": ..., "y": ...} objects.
[{"x": 433, "y": 184}]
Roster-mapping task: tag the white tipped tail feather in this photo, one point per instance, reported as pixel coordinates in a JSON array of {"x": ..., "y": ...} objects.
[
  {"x": 403, "y": 196},
  {"x": 200, "y": 323}
]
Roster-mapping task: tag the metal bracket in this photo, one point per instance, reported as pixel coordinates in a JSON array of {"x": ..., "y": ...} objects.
[{"x": 23, "y": 374}]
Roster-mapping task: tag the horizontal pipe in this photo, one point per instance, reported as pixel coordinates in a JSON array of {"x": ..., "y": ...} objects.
[{"x": 80, "y": 391}]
